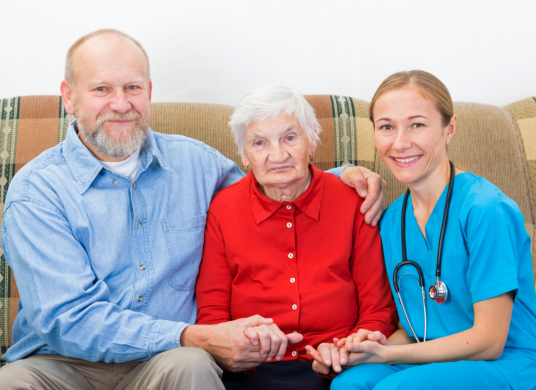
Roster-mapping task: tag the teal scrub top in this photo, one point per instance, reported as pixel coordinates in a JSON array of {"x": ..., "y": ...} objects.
[{"x": 486, "y": 252}]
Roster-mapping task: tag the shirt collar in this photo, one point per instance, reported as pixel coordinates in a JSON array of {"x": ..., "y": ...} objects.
[
  {"x": 85, "y": 166},
  {"x": 309, "y": 202}
]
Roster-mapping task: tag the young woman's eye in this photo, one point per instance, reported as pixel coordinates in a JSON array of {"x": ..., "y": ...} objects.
[
  {"x": 418, "y": 125},
  {"x": 386, "y": 127}
]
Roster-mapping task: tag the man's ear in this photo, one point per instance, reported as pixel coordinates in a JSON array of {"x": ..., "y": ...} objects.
[
  {"x": 150, "y": 89},
  {"x": 67, "y": 95}
]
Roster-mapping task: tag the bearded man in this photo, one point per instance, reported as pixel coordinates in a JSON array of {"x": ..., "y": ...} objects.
[{"x": 104, "y": 233}]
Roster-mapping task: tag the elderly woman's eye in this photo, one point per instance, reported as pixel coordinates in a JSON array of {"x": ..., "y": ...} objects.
[
  {"x": 258, "y": 143},
  {"x": 290, "y": 138}
]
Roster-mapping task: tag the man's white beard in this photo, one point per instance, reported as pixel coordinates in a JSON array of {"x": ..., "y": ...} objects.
[{"x": 97, "y": 137}]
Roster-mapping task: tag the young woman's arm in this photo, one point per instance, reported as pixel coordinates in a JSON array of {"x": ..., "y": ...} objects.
[{"x": 484, "y": 341}]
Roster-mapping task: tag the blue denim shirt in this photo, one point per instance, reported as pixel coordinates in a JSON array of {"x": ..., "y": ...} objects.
[{"x": 106, "y": 267}]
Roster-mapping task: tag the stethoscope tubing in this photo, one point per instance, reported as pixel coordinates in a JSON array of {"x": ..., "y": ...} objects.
[{"x": 405, "y": 260}]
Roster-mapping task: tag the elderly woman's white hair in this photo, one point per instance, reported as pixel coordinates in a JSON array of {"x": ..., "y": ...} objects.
[{"x": 268, "y": 102}]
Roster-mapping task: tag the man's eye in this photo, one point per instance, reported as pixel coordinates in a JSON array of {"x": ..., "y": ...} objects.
[
  {"x": 133, "y": 87},
  {"x": 100, "y": 89}
]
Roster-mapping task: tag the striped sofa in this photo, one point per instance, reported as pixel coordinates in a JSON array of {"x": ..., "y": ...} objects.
[{"x": 494, "y": 142}]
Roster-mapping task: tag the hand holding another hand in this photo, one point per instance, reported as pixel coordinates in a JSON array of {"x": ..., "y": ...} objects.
[
  {"x": 358, "y": 348},
  {"x": 273, "y": 342}
]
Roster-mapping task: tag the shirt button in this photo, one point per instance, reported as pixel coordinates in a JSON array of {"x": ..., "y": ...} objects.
[
  {"x": 292, "y": 280},
  {"x": 140, "y": 298},
  {"x": 138, "y": 224},
  {"x": 115, "y": 181},
  {"x": 294, "y": 353},
  {"x": 289, "y": 207},
  {"x": 294, "y": 307},
  {"x": 142, "y": 267},
  {"x": 289, "y": 225},
  {"x": 133, "y": 185},
  {"x": 290, "y": 255}
]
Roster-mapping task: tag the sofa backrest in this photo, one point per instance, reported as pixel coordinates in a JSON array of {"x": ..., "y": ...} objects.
[{"x": 488, "y": 142}]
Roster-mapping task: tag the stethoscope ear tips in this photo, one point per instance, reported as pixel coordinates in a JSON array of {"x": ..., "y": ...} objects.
[{"x": 438, "y": 292}]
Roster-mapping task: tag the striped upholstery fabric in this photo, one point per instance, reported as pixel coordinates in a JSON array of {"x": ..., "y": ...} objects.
[{"x": 29, "y": 125}]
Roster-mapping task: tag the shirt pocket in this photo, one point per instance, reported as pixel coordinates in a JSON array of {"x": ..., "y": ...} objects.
[
  {"x": 184, "y": 239},
  {"x": 454, "y": 275}
]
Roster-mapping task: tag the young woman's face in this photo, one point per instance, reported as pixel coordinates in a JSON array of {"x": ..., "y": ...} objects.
[{"x": 409, "y": 134}]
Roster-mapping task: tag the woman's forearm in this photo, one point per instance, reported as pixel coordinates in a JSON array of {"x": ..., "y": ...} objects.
[
  {"x": 484, "y": 341},
  {"x": 400, "y": 337}
]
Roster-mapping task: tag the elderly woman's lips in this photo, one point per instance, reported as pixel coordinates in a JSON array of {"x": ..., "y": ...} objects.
[{"x": 281, "y": 168}]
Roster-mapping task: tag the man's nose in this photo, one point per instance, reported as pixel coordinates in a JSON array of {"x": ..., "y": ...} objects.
[{"x": 120, "y": 102}]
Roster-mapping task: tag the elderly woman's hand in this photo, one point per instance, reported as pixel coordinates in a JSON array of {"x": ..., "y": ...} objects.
[
  {"x": 369, "y": 185},
  {"x": 272, "y": 340}
]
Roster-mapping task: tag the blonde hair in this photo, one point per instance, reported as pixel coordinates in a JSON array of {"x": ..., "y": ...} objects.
[
  {"x": 430, "y": 85},
  {"x": 108, "y": 32}
]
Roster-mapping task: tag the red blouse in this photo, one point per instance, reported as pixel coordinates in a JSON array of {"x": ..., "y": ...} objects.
[{"x": 313, "y": 265}]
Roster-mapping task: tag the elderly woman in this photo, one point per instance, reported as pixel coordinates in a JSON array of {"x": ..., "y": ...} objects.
[
  {"x": 458, "y": 257},
  {"x": 288, "y": 242}
]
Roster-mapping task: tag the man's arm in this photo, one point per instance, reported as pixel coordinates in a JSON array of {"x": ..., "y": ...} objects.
[{"x": 62, "y": 299}]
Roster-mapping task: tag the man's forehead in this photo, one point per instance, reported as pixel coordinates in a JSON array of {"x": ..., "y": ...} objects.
[{"x": 109, "y": 52}]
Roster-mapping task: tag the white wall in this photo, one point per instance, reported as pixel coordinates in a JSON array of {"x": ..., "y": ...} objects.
[{"x": 215, "y": 51}]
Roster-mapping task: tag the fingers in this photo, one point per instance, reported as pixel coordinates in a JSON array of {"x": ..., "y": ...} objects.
[
  {"x": 379, "y": 337},
  {"x": 343, "y": 355},
  {"x": 269, "y": 343},
  {"x": 324, "y": 350},
  {"x": 294, "y": 338},
  {"x": 314, "y": 354},
  {"x": 373, "y": 206},
  {"x": 279, "y": 339},
  {"x": 256, "y": 320},
  {"x": 335, "y": 358},
  {"x": 320, "y": 368},
  {"x": 252, "y": 336}
]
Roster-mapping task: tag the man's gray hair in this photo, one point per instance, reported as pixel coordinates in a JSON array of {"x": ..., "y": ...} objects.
[{"x": 268, "y": 102}]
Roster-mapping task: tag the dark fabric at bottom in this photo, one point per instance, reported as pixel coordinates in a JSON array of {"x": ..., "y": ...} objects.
[{"x": 281, "y": 376}]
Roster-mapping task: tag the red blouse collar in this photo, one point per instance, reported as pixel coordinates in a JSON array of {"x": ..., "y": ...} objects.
[{"x": 308, "y": 202}]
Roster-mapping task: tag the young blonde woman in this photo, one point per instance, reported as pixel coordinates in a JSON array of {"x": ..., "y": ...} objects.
[{"x": 473, "y": 311}]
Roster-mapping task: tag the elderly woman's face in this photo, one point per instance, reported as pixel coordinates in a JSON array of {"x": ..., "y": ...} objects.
[
  {"x": 410, "y": 135},
  {"x": 277, "y": 151}
]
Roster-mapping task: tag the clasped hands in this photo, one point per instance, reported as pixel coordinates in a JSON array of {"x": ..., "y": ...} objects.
[
  {"x": 364, "y": 346},
  {"x": 243, "y": 344}
]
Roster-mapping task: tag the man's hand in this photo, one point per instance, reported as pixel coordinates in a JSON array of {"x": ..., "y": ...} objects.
[
  {"x": 227, "y": 342},
  {"x": 273, "y": 342},
  {"x": 369, "y": 185}
]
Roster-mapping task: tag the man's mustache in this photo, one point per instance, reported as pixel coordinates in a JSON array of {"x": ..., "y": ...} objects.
[{"x": 131, "y": 115}]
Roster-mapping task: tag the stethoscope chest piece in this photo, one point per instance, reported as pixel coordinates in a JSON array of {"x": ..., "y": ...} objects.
[{"x": 438, "y": 292}]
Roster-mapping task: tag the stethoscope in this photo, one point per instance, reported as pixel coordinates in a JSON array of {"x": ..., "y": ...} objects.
[{"x": 439, "y": 291}]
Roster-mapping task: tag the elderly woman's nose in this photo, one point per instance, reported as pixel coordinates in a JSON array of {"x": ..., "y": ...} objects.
[{"x": 278, "y": 152}]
